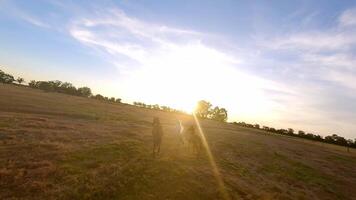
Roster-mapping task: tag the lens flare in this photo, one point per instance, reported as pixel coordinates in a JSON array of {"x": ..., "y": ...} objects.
[{"x": 212, "y": 162}]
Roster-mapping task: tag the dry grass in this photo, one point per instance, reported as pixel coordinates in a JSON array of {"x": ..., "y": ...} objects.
[{"x": 55, "y": 146}]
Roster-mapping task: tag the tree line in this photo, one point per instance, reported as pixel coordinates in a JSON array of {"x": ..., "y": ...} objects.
[
  {"x": 204, "y": 110},
  {"x": 57, "y": 86},
  {"x": 331, "y": 139},
  {"x": 8, "y": 78},
  {"x": 157, "y": 107}
]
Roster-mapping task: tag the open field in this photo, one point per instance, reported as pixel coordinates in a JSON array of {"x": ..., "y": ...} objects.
[{"x": 55, "y": 146}]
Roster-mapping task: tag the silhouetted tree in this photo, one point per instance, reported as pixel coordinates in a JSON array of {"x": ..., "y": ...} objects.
[
  {"x": 32, "y": 84},
  {"x": 301, "y": 133},
  {"x": 20, "y": 80},
  {"x": 6, "y": 78},
  {"x": 218, "y": 114},
  {"x": 203, "y": 109},
  {"x": 290, "y": 131}
]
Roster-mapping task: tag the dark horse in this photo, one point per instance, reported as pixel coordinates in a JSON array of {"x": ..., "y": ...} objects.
[{"x": 157, "y": 134}]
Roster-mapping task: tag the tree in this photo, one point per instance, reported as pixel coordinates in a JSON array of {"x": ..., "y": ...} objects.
[
  {"x": 218, "y": 114},
  {"x": 118, "y": 100},
  {"x": 290, "y": 131},
  {"x": 301, "y": 133},
  {"x": 6, "y": 78},
  {"x": 203, "y": 109},
  {"x": 84, "y": 91},
  {"x": 20, "y": 80},
  {"x": 99, "y": 97},
  {"x": 68, "y": 88},
  {"x": 56, "y": 85},
  {"x": 32, "y": 84},
  {"x": 44, "y": 85}
]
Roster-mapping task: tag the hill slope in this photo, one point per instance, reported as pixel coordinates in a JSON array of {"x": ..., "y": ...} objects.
[{"x": 55, "y": 146}]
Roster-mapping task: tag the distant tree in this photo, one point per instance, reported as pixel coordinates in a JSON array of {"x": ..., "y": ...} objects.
[
  {"x": 56, "y": 84},
  {"x": 310, "y": 136},
  {"x": 318, "y": 138},
  {"x": 32, "y": 84},
  {"x": 273, "y": 130},
  {"x": 164, "y": 108},
  {"x": 290, "y": 131},
  {"x": 118, "y": 100},
  {"x": 203, "y": 109},
  {"x": 329, "y": 139},
  {"x": 20, "y": 80},
  {"x": 6, "y": 78},
  {"x": 44, "y": 85},
  {"x": 84, "y": 91},
  {"x": 257, "y": 126},
  {"x": 301, "y": 133},
  {"x": 218, "y": 114},
  {"x": 67, "y": 88},
  {"x": 99, "y": 97}
]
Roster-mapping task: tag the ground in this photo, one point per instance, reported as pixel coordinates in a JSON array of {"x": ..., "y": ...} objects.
[{"x": 56, "y": 146}]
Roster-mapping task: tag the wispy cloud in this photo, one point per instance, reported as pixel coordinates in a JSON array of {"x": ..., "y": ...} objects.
[
  {"x": 13, "y": 10},
  {"x": 32, "y": 20},
  {"x": 348, "y": 17},
  {"x": 120, "y": 34}
]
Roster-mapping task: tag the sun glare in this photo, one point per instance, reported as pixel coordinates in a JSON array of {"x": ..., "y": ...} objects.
[{"x": 183, "y": 75}]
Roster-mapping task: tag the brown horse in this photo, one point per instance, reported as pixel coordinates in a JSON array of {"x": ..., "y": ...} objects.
[
  {"x": 157, "y": 134},
  {"x": 194, "y": 139}
]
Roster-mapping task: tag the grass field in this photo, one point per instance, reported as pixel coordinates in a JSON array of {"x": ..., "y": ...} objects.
[{"x": 55, "y": 146}]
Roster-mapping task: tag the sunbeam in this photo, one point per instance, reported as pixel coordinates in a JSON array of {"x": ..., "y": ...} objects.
[{"x": 212, "y": 162}]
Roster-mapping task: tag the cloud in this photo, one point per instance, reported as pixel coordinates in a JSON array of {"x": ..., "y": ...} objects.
[
  {"x": 13, "y": 10},
  {"x": 32, "y": 20},
  {"x": 348, "y": 17},
  {"x": 127, "y": 36},
  {"x": 314, "y": 41}
]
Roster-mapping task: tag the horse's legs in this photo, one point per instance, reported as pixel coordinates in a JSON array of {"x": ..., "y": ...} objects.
[
  {"x": 159, "y": 147},
  {"x": 154, "y": 149}
]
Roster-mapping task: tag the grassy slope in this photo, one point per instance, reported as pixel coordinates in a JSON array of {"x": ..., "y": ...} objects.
[{"x": 55, "y": 146}]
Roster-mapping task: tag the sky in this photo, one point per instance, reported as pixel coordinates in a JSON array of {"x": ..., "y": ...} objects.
[{"x": 277, "y": 63}]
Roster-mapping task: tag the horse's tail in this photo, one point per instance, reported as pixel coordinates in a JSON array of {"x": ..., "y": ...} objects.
[{"x": 181, "y": 127}]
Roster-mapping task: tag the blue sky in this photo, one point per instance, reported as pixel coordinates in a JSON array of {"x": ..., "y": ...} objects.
[{"x": 278, "y": 63}]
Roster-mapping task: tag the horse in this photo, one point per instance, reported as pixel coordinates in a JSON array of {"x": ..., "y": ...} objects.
[
  {"x": 193, "y": 138},
  {"x": 157, "y": 134}
]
